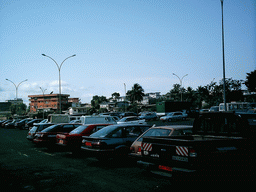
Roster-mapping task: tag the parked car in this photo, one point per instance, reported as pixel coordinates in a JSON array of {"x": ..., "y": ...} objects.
[
  {"x": 174, "y": 116},
  {"x": 148, "y": 116},
  {"x": 127, "y": 114},
  {"x": 135, "y": 149},
  {"x": 21, "y": 124},
  {"x": 112, "y": 141},
  {"x": 29, "y": 124},
  {"x": 47, "y": 137},
  {"x": 116, "y": 114},
  {"x": 38, "y": 127},
  {"x": 72, "y": 141},
  {"x": 5, "y": 122},
  {"x": 10, "y": 125},
  {"x": 132, "y": 119}
]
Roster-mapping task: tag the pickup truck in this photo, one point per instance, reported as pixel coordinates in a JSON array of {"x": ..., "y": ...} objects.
[{"x": 220, "y": 147}]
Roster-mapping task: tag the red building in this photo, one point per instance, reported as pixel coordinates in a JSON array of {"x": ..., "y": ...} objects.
[{"x": 48, "y": 102}]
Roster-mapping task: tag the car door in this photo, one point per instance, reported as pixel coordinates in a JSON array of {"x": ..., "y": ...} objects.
[{"x": 115, "y": 139}]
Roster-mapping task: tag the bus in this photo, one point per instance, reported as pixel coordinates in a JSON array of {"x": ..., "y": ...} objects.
[{"x": 237, "y": 106}]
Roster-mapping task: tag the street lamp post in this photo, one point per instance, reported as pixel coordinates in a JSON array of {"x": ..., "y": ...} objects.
[
  {"x": 43, "y": 90},
  {"x": 223, "y": 57},
  {"x": 59, "y": 67},
  {"x": 124, "y": 98},
  {"x": 180, "y": 84},
  {"x": 16, "y": 87}
]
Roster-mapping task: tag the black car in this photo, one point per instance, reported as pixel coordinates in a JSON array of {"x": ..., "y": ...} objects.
[
  {"x": 5, "y": 122},
  {"x": 29, "y": 124},
  {"x": 21, "y": 124},
  {"x": 38, "y": 127},
  {"x": 11, "y": 124},
  {"x": 112, "y": 141},
  {"x": 47, "y": 137}
]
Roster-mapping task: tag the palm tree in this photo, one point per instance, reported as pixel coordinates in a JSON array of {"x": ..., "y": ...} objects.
[{"x": 136, "y": 94}]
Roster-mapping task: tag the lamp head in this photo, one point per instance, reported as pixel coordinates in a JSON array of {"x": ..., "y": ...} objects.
[{"x": 43, "y": 54}]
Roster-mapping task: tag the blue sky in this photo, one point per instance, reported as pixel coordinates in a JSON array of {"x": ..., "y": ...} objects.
[{"x": 122, "y": 41}]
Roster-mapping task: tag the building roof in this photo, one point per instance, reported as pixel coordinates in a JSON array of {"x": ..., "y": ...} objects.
[{"x": 49, "y": 95}]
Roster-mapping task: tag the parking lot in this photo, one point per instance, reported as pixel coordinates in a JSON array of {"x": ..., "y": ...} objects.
[{"x": 25, "y": 167}]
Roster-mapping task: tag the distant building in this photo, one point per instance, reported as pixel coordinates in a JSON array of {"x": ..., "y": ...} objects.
[
  {"x": 5, "y": 107},
  {"x": 48, "y": 102},
  {"x": 149, "y": 96},
  {"x": 15, "y": 101}
]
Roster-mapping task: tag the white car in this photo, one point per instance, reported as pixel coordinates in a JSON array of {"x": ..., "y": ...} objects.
[
  {"x": 174, "y": 116},
  {"x": 132, "y": 119}
]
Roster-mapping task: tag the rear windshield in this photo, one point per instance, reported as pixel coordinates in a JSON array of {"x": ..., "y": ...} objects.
[
  {"x": 104, "y": 131},
  {"x": 79, "y": 129},
  {"x": 156, "y": 132},
  {"x": 51, "y": 128}
]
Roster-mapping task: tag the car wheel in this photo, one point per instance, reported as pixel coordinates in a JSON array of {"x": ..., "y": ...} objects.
[{"x": 170, "y": 119}]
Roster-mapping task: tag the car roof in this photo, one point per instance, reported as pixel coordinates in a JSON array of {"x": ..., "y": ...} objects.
[
  {"x": 130, "y": 117},
  {"x": 130, "y": 125},
  {"x": 174, "y": 127}
]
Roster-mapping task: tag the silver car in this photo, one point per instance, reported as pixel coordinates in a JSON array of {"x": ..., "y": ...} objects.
[
  {"x": 174, "y": 116},
  {"x": 132, "y": 119}
]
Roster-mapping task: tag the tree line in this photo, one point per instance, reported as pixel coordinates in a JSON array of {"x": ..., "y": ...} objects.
[{"x": 201, "y": 97}]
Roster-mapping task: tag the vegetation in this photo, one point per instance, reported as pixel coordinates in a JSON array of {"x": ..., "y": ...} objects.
[
  {"x": 202, "y": 97},
  {"x": 19, "y": 109},
  {"x": 136, "y": 94},
  {"x": 251, "y": 81}
]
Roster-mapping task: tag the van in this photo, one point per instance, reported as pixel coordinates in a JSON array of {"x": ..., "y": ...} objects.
[{"x": 98, "y": 119}]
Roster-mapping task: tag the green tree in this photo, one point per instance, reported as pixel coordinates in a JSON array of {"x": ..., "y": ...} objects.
[
  {"x": 174, "y": 93},
  {"x": 115, "y": 96},
  {"x": 233, "y": 90},
  {"x": 96, "y": 100},
  {"x": 136, "y": 94},
  {"x": 250, "y": 82},
  {"x": 19, "y": 109}
]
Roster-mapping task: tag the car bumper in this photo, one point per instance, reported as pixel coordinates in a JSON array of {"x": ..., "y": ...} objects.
[{"x": 98, "y": 152}]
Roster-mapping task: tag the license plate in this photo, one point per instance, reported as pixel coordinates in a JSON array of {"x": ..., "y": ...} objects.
[
  {"x": 61, "y": 141},
  {"x": 178, "y": 158},
  {"x": 88, "y": 144}
]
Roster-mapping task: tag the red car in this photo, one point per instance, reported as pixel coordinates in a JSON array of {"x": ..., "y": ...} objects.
[
  {"x": 72, "y": 141},
  {"x": 47, "y": 137}
]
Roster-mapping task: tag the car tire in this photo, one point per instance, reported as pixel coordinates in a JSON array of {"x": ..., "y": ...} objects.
[{"x": 170, "y": 119}]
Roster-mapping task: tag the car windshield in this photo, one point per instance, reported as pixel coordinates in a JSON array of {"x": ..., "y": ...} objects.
[
  {"x": 104, "y": 131},
  {"x": 79, "y": 129},
  {"x": 170, "y": 114},
  {"x": 155, "y": 132}
]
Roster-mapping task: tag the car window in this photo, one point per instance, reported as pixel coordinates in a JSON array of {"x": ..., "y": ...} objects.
[
  {"x": 155, "y": 132},
  {"x": 117, "y": 133},
  {"x": 68, "y": 128},
  {"x": 95, "y": 129},
  {"x": 133, "y": 131},
  {"x": 53, "y": 128}
]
